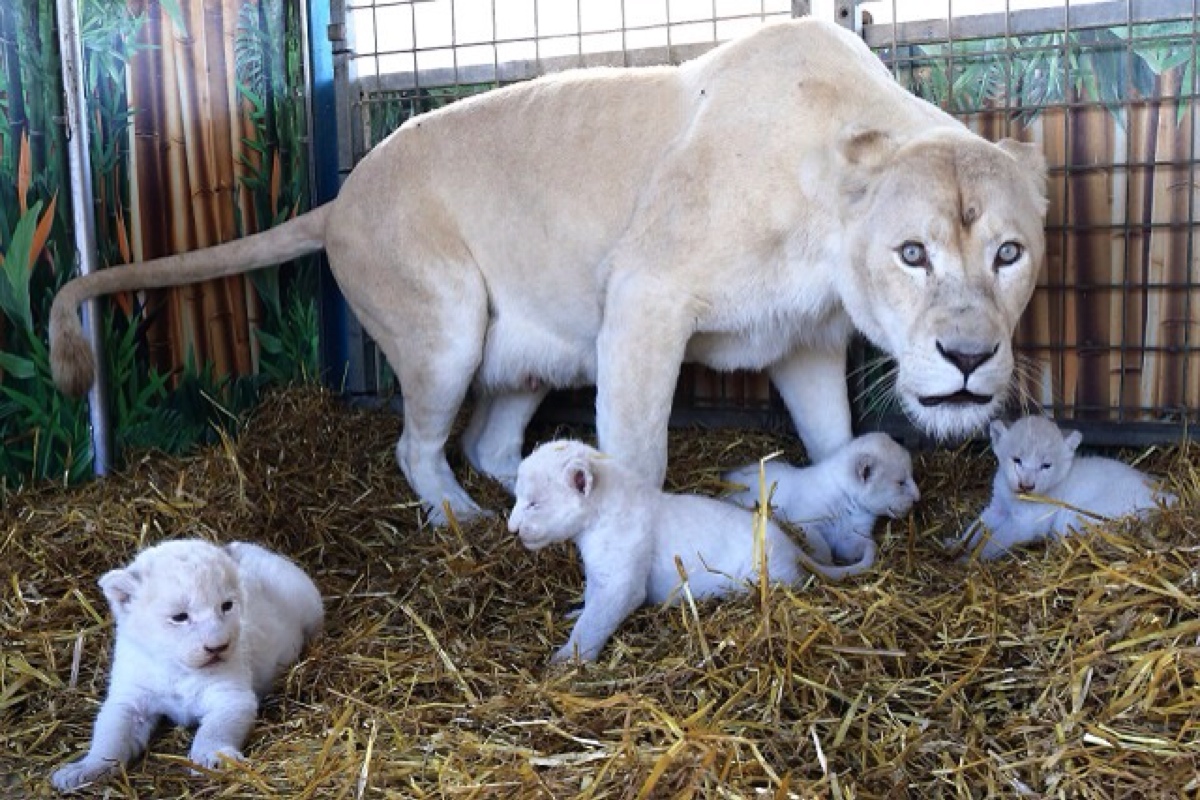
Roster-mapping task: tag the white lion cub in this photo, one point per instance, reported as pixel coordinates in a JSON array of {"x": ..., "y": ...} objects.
[
  {"x": 1035, "y": 458},
  {"x": 839, "y": 498},
  {"x": 202, "y": 632},
  {"x": 629, "y": 534}
]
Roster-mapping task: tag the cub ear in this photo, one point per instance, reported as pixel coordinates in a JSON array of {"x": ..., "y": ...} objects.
[
  {"x": 1033, "y": 162},
  {"x": 580, "y": 476},
  {"x": 997, "y": 430},
  {"x": 1072, "y": 441},
  {"x": 864, "y": 467},
  {"x": 119, "y": 587}
]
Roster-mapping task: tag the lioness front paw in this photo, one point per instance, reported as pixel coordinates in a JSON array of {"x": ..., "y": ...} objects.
[{"x": 85, "y": 770}]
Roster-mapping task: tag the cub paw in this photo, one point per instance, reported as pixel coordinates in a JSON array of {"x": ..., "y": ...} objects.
[
  {"x": 76, "y": 774},
  {"x": 214, "y": 759}
]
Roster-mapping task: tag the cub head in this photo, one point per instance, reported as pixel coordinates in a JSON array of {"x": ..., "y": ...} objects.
[
  {"x": 554, "y": 493},
  {"x": 945, "y": 239},
  {"x": 1034, "y": 456},
  {"x": 883, "y": 478},
  {"x": 181, "y": 601}
]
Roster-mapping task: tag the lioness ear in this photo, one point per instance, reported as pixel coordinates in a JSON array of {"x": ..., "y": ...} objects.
[
  {"x": 865, "y": 147},
  {"x": 1072, "y": 440},
  {"x": 864, "y": 467},
  {"x": 997, "y": 430},
  {"x": 119, "y": 587},
  {"x": 862, "y": 150},
  {"x": 1033, "y": 163}
]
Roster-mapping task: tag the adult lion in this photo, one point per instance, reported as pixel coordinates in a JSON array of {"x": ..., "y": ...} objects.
[{"x": 747, "y": 209}]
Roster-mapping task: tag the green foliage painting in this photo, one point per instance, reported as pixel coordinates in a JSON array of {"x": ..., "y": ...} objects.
[{"x": 197, "y": 130}]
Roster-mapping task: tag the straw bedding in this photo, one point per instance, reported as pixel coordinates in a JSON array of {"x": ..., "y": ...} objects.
[{"x": 1068, "y": 671}]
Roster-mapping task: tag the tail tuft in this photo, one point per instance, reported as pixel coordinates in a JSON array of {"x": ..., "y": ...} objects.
[{"x": 71, "y": 361}]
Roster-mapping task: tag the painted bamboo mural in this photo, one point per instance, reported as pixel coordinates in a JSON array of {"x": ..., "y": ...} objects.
[
  {"x": 197, "y": 137},
  {"x": 204, "y": 145}
]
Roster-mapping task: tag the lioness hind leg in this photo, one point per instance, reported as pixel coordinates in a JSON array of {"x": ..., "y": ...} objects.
[
  {"x": 492, "y": 441},
  {"x": 435, "y": 358}
]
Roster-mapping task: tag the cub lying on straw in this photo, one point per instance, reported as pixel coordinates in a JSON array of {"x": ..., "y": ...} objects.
[
  {"x": 839, "y": 498},
  {"x": 630, "y": 533},
  {"x": 202, "y": 632},
  {"x": 1036, "y": 459}
]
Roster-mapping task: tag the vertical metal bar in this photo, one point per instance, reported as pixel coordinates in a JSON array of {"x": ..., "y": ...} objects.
[
  {"x": 1123, "y": 355},
  {"x": 1060, "y": 399},
  {"x": 84, "y": 220},
  {"x": 324, "y": 42},
  {"x": 1190, "y": 248}
]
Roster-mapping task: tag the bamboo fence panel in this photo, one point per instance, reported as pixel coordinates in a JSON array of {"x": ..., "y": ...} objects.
[{"x": 187, "y": 156}]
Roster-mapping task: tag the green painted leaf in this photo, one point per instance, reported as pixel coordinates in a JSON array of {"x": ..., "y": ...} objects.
[
  {"x": 16, "y": 366},
  {"x": 14, "y": 289}
]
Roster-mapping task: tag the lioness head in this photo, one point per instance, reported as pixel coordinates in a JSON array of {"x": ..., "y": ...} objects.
[
  {"x": 945, "y": 241},
  {"x": 180, "y": 601}
]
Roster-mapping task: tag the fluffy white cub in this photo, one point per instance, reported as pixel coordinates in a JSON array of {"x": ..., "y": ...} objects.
[
  {"x": 629, "y": 534},
  {"x": 202, "y": 632},
  {"x": 1036, "y": 459},
  {"x": 839, "y": 498}
]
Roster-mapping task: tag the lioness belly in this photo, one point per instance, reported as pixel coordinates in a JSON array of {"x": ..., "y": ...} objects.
[{"x": 521, "y": 352}]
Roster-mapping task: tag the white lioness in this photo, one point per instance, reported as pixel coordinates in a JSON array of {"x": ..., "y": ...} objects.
[
  {"x": 839, "y": 498},
  {"x": 748, "y": 209},
  {"x": 1069, "y": 491},
  {"x": 630, "y": 533},
  {"x": 202, "y": 632}
]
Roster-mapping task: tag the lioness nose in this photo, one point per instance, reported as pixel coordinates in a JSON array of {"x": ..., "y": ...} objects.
[
  {"x": 216, "y": 650},
  {"x": 966, "y": 361}
]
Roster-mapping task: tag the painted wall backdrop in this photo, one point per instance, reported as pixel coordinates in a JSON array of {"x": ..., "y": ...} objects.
[{"x": 197, "y": 137}]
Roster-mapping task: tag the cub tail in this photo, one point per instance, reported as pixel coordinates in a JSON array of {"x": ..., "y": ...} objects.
[
  {"x": 831, "y": 573},
  {"x": 71, "y": 361}
]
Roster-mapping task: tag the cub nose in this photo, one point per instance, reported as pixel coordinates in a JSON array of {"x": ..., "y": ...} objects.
[
  {"x": 1025, "y": 488},
  {"x": 217, "y": 649},
  {"x": 966, "y": 360}
]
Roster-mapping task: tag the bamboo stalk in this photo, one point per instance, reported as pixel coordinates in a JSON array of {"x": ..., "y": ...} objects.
[
  {"x": 1088, "y": 253},
  {"x": 209, "y": 315},
  {"x": 150, "y": 205},
  {"x": 1143, "y": 121},
  {"x": 185, "y": 303},
  {"x": 1170, "y": 200}
]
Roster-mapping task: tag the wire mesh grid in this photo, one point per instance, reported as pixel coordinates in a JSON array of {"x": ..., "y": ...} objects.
[
  {"x": 1108, "y": 90},
  {"x": 1106, "y": 87}
]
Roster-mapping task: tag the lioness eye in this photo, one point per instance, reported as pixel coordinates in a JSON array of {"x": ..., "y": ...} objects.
[
  {"x": 1008, "y": 254},
  {"x": 1046, "y": 466},
  {"x": 1017, "y": 461},
  {"x": 913, "y": 254},
  {"x": 180, "y": 617},
  {"x": 227, "y": 606}
]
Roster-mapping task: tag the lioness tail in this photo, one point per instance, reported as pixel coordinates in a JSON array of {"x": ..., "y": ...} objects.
[{"x": 71, "y": 360}]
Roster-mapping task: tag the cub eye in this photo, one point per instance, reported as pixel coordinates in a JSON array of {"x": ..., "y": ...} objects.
[
  {"x": 180, "y": 618},
  {"x": 1017, "y": 461},
  {"x": 913, "y": 254},
  {"x": 1008, "y": 254},
  {"x": 227, "y": 606},
  {"x": 1046, "y": 466}
]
